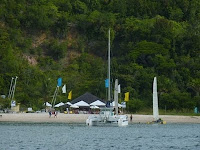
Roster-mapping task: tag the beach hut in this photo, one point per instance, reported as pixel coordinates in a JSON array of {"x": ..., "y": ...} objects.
[{"x": 87, "y": 98}]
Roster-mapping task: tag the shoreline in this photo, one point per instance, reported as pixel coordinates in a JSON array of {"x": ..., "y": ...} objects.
[{"x": 81, "y": 118}]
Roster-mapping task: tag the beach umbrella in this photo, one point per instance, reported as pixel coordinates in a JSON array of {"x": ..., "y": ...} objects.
[
  {"x": 74, "y": 106},
  {"x": 97, "y": 103},
  {"x": 94, "y": 107},
  {"x": 82, "y": 104}
]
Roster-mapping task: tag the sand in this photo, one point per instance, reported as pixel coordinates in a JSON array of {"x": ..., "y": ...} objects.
[{"x": 81, "y": 118}]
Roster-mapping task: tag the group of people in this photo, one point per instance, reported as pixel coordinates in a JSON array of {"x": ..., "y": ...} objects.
[{"x": 55, "y": 113}]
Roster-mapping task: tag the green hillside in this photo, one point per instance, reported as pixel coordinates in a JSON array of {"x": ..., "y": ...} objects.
[{"x": 42, "y": 40}]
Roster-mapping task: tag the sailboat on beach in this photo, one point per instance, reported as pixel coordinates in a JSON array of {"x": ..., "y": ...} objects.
[
  {"x": 107, "y": 114},
  {"x": 156, "y": 118}
]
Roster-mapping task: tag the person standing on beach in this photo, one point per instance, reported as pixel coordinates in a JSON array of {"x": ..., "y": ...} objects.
[
  {"x": 55, "y": 114},
  {"x": 49, "y": 113},
  {"x": 131, "y": 117}
]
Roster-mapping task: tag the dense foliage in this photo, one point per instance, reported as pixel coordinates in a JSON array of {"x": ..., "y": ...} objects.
[{"x": 42, "y": 40}]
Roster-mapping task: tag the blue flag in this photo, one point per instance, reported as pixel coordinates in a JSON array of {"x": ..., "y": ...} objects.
[
  {"x": 59, "y": 82},
  {"x": 107, "y": 83}
]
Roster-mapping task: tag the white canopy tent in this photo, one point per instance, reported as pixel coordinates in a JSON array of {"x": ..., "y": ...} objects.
[
  {"x": 59, "y": 104},
  {"x": 47, "y": 104},
  {"x": 97, "y": 103},
  {"x": 82, "y": 104},
  {"x": 113, "y": 104},
  {"x": 68, "y": 103},
  {"x": 94, "y": 107},
  {"x": 74, "y": 106}
]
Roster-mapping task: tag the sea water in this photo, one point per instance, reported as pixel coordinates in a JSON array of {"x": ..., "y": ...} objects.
[{"x": 63, "y": 136}]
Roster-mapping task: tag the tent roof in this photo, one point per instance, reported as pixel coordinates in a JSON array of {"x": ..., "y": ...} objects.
[
  {"x": 59, "y": 104},
  {"x": 94, "y": 107},
  {"x": 82, "y": 103},
  {"x": 98, "y": 103},
  {"x": 47, "y": 104},
  {"x": 68, "y": 103},
  {"x": 74, "y": 106},
  {"x": 113, "y": 104},
  {"x": 87, "y": 97}
]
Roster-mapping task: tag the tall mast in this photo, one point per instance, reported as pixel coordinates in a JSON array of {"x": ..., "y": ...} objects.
[{"x": 109, "y": 98}]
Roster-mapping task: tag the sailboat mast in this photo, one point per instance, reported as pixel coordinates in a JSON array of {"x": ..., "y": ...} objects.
[{"x": 109, "y": 98}]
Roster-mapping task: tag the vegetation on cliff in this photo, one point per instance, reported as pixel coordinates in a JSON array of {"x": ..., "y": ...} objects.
[{"x": 42, "y": 40}]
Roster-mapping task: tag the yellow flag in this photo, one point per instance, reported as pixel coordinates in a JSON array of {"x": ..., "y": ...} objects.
[
  {"x": 70, "y": 95},
  {"x": 126, "y": 97}
]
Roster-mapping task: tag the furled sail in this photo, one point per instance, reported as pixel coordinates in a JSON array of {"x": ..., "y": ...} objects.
[{"x": 155, "y": 100}]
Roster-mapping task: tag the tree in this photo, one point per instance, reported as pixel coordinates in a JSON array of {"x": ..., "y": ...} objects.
[
  {"x": 195, "y": 85},
  {"x": 40, "y": 16},
  {"x": 80, "y": 7},
  {"x": 56, "y": 50},
  {"x": 134, "y": 105}
]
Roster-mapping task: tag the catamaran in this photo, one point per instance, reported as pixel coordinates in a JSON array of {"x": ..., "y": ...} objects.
[
  {"x": 156, "y": 118},
  {"x": 109, "y": 114}
]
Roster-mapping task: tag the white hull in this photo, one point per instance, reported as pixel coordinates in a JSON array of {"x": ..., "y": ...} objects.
[
  {"x": 107, "y": 116},
  {"x": 120, "y": 120}
]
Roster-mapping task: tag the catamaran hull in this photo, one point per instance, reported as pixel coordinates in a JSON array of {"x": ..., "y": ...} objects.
[
  {"x": 121, "y": 120},
  {"x": 154, "y": 122}
]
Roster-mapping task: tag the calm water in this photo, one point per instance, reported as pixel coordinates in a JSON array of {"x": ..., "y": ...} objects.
[{"x": 62, "y": 136}]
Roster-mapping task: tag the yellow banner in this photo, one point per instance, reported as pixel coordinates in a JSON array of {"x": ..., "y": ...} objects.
[
  {"x": 70, "y": 95},
  {"x": 126, "y": 97}
]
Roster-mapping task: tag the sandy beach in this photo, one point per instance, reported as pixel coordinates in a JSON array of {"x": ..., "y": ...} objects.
[{"x": 81, "y": 118}]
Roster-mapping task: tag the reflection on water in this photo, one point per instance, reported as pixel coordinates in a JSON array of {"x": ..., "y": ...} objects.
[{"x": 31, "y": 136}]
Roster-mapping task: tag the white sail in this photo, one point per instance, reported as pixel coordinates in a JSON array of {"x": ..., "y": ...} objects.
[{"x": 155, "y": 100}]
